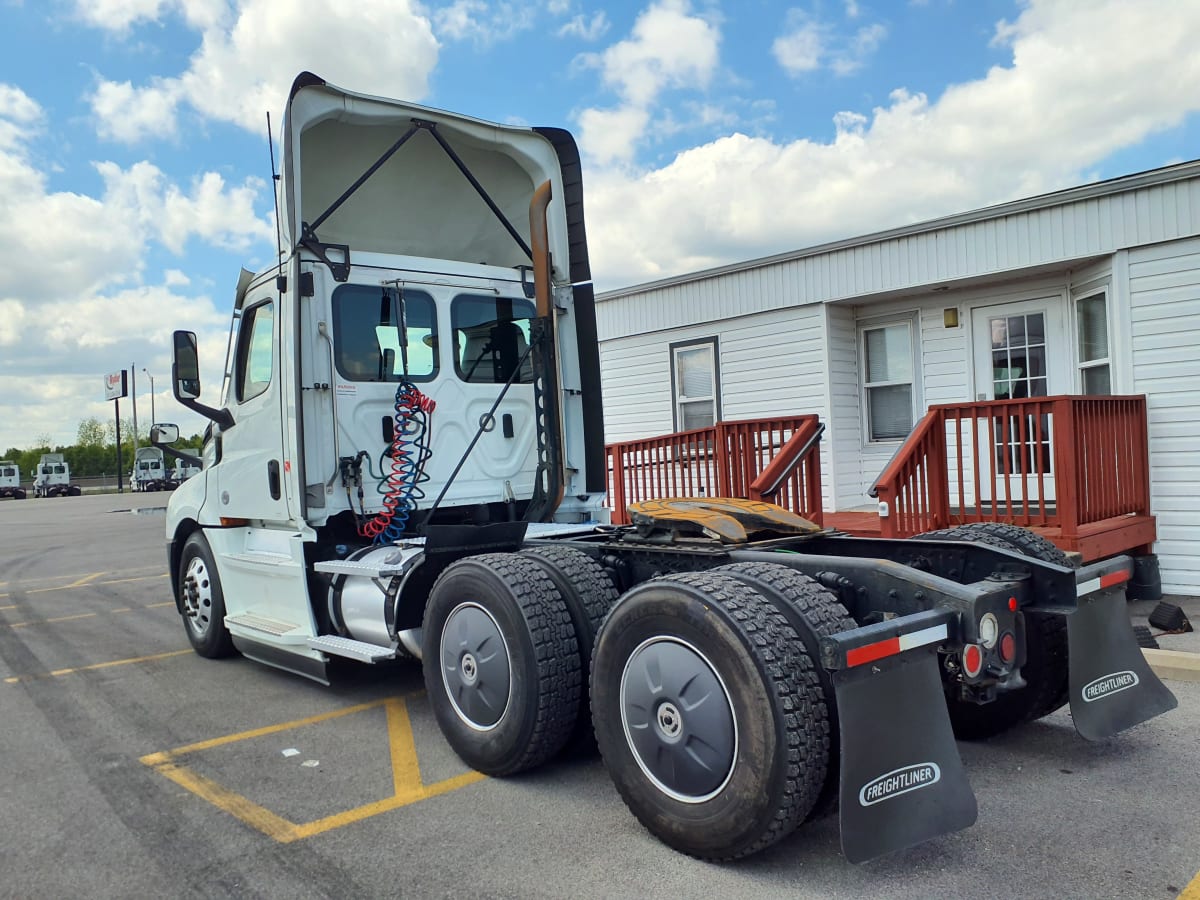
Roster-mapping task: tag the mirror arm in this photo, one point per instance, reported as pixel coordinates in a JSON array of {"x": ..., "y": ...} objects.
[
  {"x": 177, "y": 454},
  {"x": 222, "y": 417}
]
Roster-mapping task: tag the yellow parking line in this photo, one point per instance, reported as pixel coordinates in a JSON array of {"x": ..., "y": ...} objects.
[
  {"x": 407, "y": 786},
  {"x": 104, "y": 665},
  {"x": 87, "y": 581},
  {"x": 1192, "y": 891},
  {"x": 52, "y": 621}
]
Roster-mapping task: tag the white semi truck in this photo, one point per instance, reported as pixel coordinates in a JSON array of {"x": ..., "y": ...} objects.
[
  {"x": 52, "y": 477},
  {"x": 407, "y": 459},
  {"x": 10, "y": 480},
  {"x": 150, "y": 471}
]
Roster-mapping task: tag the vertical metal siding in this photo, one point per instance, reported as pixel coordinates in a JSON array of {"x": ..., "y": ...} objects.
[{"x": 1164, "y": 286}]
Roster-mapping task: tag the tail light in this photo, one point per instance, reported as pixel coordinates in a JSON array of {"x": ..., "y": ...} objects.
[{"x": 972, "y": 660}]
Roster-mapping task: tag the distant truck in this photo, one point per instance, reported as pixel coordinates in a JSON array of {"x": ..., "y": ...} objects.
[
  {"x": 52, "y": 477},
  {"x": 183, "y": 471},
  {"x": 10, "y": 480},
  {"x": 150, "y": 471}
]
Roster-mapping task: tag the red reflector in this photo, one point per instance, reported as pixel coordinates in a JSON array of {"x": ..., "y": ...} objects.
[
  {"x": 972, "y": 660},
  {"x": 1008, "y": 647},
  {"x": 1113, "y": 578},
  {"x": 872, "y": 652},
  {"x": 1012, "y": 604}
]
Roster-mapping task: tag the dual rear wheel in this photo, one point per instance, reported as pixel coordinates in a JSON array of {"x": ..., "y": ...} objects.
[{"x": 706, "y": 703}]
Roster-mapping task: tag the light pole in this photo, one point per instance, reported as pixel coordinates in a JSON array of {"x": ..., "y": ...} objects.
[
  {"x": 151, "y": 377},
  {"x": 133, "y": 398}
]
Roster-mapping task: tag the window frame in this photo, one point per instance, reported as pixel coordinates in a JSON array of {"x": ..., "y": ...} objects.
[
  {"x": 912, "y": 321},
  {"x": 425, "y": 298},
  {"x": 673, "y": 349},
  {"x": 1081, "y": 365},
  {"x": 245, "y": 391},
  {"x": 525, "y": 376}
]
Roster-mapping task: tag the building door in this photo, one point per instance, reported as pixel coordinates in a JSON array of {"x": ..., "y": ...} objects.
[{"x": 1021, "y": 353}]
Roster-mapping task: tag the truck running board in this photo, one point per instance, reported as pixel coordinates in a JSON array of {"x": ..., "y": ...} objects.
[
  {"x": 902, "y": 779},
  {"x": 350, "y": 648}
]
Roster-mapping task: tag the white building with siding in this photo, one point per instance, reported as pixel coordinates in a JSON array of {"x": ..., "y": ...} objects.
[{"x": 1091, "y": 290}]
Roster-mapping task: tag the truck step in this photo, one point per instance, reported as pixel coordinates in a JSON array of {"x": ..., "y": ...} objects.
[
  {"x": 366, "y": 570},
  {"x": 261, "y": 623},
  {"x": 350, "y": 648}
]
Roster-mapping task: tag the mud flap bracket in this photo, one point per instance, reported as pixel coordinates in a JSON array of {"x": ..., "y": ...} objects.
[{"x": 902, "y": 780}]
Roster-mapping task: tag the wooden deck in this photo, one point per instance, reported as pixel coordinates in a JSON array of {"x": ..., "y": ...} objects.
[{"x": 1096, "y": 540}]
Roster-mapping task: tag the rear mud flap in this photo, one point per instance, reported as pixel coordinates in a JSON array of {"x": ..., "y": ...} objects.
[
  {"x": 1112, "y": 685},
  {"x": 903, "y": 781}
]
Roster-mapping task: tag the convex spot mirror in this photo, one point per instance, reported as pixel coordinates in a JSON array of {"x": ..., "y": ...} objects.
[
  {"x": 185, "y": 368},
  {"x": 164, "y": 434}
]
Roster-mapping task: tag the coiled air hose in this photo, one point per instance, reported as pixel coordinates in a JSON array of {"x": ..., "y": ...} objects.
[{"x": 410, "y": 450}]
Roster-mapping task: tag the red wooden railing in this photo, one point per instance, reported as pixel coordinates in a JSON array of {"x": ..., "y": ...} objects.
[
  {"x": 1047, "y": 461},
  {"x": 769, "y": 459}
]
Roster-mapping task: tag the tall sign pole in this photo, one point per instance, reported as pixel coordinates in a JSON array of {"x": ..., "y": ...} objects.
[
  {"x": 116, "y": 387},
  {"x": 133, "y": 400}
]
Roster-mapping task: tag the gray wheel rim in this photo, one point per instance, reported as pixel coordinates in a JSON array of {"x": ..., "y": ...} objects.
[
  {"x": 197, "y": 597},
  {"x": 678, "y": 719},
  {"x": 475, "y": 666}
]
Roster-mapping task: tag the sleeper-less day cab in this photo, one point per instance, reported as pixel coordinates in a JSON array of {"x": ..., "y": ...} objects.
[{"x": 407, "y": 459}]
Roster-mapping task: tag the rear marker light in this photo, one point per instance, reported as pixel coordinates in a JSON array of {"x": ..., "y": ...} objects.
[
  {"x": 1012, "y": 604},
  {"x": 1008, "y": 647},
  {"x": 972, "y": 660}
]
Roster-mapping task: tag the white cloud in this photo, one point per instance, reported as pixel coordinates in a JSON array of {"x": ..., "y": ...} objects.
[
  {"x": 853, "y": 11},
  {"x": 119, "y": 15},
  {"x": 250, "y": 51},
  {"x": 864, "y": 43},
  {"x": 1040, "y": 123},
  {"x": 128, "y": 114},
  {"x": 800, "y": 48},
  {"x": 808, "y": 43},
  {"x": 586, "y": 28},
  {"x": 669, "y": 47},
  {"x": 175, "y": 278},
  {"x": 484, "y": 23}
]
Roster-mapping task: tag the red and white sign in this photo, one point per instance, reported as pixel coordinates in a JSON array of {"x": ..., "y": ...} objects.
[{"x": 114, "y": 385}]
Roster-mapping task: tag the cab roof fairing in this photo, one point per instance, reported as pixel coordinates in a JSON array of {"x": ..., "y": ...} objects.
[{"x": 417, "y": 203}]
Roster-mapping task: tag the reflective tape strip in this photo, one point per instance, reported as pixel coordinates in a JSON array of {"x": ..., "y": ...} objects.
[
  {"x": 892, "y": 646},
  {"x": 1098, "y": 584}
]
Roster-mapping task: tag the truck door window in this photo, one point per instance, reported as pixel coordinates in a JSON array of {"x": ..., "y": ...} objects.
[
  {"x": 366, "y": 337},
  {"x": 255, "y": 356},
  {"x": 491, "y": 335}
]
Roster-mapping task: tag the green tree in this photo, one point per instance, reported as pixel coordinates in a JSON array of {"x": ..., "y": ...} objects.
[{"x": 92, "y": 433}]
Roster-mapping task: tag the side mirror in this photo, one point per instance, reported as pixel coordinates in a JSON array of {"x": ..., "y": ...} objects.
[
  {"x": 163, "y": 434},
  {"x": 185, "y": 369}
]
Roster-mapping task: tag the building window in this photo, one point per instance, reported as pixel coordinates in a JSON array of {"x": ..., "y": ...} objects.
[
  {"x": 695, "y": 384},
  {"x": 1095, "y": 373},
  {"x": 887, "y": 374}
]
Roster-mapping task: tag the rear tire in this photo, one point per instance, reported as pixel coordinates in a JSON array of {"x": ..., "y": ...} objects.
[
  {"x": 501, "y": 662},
  {"x": 202, "y": 601},
  {"x": 589, "y": 594},
  {"x": 74, "y": 491},
  {"x": 814, "y": 612},
  {"x": 1046, "y": 669},
  {"x": 708, "y": 715}
]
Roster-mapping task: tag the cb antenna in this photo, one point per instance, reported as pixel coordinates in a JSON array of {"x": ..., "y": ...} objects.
[{"x": 275, "y": 197}]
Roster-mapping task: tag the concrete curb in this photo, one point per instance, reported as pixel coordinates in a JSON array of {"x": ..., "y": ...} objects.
[{"x": 1176, "y": 665}]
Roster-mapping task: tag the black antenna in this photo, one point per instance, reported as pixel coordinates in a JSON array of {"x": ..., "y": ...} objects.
[{"x": 275, "y": 197}]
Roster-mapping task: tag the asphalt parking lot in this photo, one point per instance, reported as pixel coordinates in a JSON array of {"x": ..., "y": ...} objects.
[{"x": 132, "y": 767}]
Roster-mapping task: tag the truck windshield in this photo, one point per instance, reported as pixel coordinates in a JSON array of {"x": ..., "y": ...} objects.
[{"x": 366, "y": 337}]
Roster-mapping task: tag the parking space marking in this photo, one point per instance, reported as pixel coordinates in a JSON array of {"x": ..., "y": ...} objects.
[
  {"x": 87, "y": 615},
  {"x": 1192, "y": 891},
  {"x": 407, "y": 786},
  {"x": 87, "y": 581},
  {"x": 39, "y": 578},
  {"x": 104, "y": 665}
]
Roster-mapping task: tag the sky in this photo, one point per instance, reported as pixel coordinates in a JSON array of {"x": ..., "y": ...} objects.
[{"x": 135, "y": 170}]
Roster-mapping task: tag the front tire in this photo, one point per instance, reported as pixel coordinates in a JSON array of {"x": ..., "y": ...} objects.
[
  {"x": 202, "y": 601},
  {"x": 501, "y": 663},
  {"x": 708, "y": 715}
]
